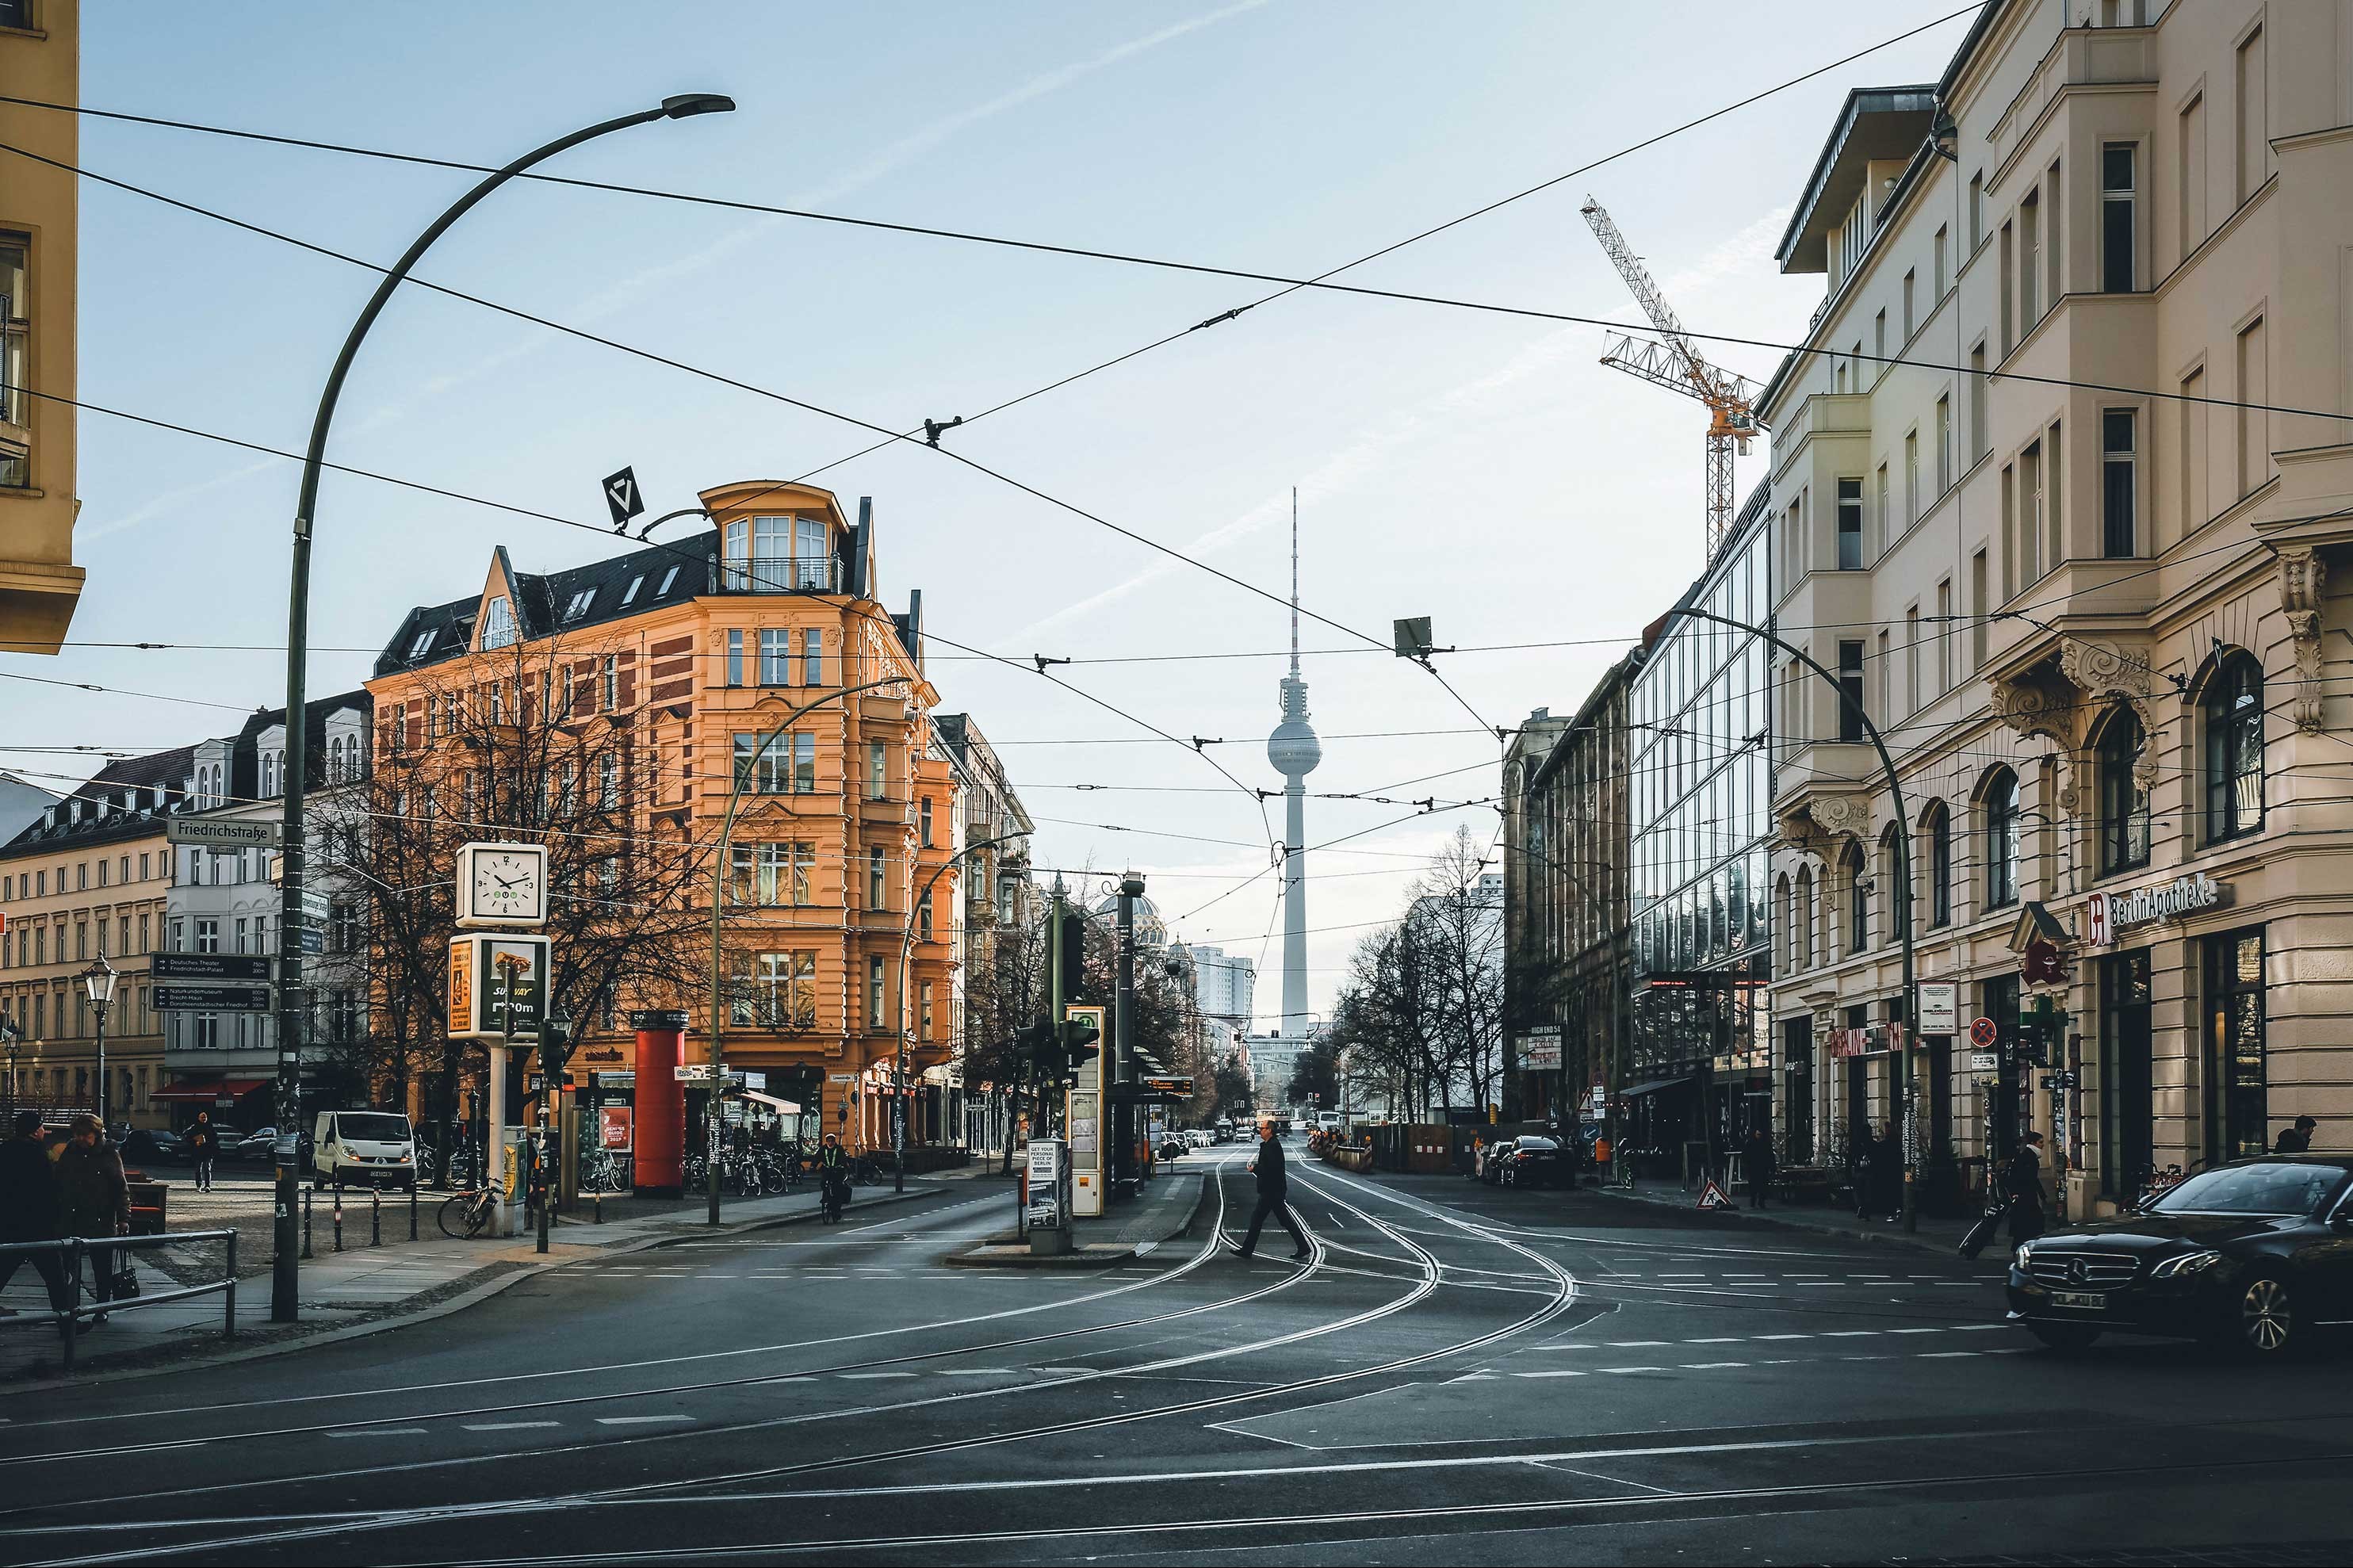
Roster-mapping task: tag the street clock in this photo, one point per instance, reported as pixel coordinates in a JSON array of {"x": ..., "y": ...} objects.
[{"x": 501, "y": 885}]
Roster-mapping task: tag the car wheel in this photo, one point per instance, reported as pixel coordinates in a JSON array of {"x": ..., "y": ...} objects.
[
  {"x": 2263, "y": 1320},
  {"x": 2065, "y": 1337}
]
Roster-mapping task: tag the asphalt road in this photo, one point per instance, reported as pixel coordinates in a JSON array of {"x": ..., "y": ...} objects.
[{"x": 1460, "y": 1375}]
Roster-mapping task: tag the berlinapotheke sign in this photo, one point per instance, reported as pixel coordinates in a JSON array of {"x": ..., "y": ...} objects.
[{"x": 2108, "y": 914}]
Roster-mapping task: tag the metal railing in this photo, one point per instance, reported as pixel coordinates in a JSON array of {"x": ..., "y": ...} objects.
[
  {"x": 780, "y": 574},
  {"x": 72, "y": 1250}
]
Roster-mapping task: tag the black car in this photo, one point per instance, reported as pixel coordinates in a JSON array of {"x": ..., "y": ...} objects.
[
  {"x": 1533, "y": 1161},
  {"x": 154, "y": 1145},
  {"x": 2252, "y": 1256}
]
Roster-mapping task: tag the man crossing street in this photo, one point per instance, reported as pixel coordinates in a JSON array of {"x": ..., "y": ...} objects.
[{"x": 1273, "y": 1187}]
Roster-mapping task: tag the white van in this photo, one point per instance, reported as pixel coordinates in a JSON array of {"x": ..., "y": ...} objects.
[
  {"x": 1328, "y": 1120},
  {"x": 364, "y": 1148}
]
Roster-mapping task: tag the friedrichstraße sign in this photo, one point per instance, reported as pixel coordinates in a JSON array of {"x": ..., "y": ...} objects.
[
  {"x": 2108, "y": 914},
  {"x": 212, "y": 833}
]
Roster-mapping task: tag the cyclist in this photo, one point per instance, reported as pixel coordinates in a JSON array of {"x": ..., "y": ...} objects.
[{"x": 833, "y": 1171}]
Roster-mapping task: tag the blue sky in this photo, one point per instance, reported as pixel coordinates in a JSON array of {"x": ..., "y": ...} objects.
[{"x": 1483, "y": 470}]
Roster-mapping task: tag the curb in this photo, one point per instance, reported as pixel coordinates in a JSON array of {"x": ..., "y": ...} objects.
[
  {"x": 399, "y": 1317},
  {"x": 1801, "y": 1228},
  {"x": 1099, "y": 1255}
]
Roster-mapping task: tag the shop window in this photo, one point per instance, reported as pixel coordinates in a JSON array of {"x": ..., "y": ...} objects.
[
  {"x": 2236, "y": 1046},
  {"x": 2124, "y": 803},
  {"x": 2232, "y": 711}
]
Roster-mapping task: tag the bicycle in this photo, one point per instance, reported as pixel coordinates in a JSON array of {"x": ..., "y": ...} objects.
[
  {"x": 601, "y": 1172},
  {"x": 467, "y": 1215}
]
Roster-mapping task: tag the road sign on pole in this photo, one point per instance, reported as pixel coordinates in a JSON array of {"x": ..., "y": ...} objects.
[
  {"x": 1983, "y": 1033},
  {"x": 212, "y": 833}
]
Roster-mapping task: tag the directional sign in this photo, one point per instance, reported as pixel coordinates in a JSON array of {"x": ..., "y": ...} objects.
[
  {"x": 1983, "y": 1033},
  {"x": 219, "y": 835},
  {"x": 245, "y": 968},
  {"x": 199, "y": 998},
  {"x": 622, "y": 499}
]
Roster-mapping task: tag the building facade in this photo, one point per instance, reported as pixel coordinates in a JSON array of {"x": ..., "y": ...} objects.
[
  {"x": 40, "y": 58},
  {"x": 1697, "y": 1067},
  {"x": 88, "y": 881},
  {"x": 662, "y": 676},
  {"x": 1001, "y": 905},
  {"x": 2072, "y": 557}
]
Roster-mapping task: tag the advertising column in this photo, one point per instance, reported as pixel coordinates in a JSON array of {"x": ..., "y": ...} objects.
[{"x": 660, "y": 1108}]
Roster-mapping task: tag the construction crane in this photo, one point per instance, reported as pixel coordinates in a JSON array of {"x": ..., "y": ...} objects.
[{"x": 1673, "y": 362}]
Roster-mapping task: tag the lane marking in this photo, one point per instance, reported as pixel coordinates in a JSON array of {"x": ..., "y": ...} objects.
[
  {"x": 381, "y": 1432},
  {"x": 639, "y": 1420},
  {"x": 507, "y": 1426}
]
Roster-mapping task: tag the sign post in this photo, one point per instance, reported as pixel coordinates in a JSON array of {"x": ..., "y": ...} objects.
[
  {"x": 1048, "y": 1214},
  {"x": 1083, "y": 1120}
]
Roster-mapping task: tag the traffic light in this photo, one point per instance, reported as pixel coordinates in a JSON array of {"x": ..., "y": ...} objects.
[
  {"x": 1082, "y": 1042},
  {"x": 1045, "y": 1052},
  {"x": 555, "y": 1049},
  {"x": 1074, "y": 955}
]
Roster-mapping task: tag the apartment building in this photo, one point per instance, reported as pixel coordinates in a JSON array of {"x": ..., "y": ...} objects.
[
  {"x": 623, "y": 710},
  {"x": 40, "y": 58},
  {"x": 2059, "y": 476},
  {"x": 1000, "y": 904}
]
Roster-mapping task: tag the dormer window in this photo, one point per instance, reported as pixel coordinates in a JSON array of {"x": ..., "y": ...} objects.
[
  {"x": 580, "y": 603},
  {"x": 777, "y": 554},
  {"x": 498, "y": 624},
  {"x": 668, "y": 578},
  {"x": 422, "y": 645},
  {"x": 630, "y": 597}
]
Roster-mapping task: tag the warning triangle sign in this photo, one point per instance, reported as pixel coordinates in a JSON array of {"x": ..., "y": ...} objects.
[{"x": 1710, "y": 1197}]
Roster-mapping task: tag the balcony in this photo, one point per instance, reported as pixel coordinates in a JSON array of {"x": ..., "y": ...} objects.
[{"x": 780, "y": 574}]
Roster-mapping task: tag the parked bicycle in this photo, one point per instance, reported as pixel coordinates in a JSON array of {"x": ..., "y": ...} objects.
[
  {"x": 603, "y": 1172},
  {"x": 467, "y": 1215}
]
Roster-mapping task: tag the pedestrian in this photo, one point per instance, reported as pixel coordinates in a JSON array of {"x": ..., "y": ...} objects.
[
  {"x": 1887, "y": 1170},
  {"x": 28, "y": 1209},
  {"x": 94, "y": 1201},
  {"x": 1273, "y": 1187},
  {"x": 1861, "y": 1151},
  {"x": 204, "y": 1147},
  {"x": 1756, "y": 1163},
  {"x": 2296, "y": 1140},
  {"x": 1478, "y": 1157},
  {"x": 2022, "y": 1184}
]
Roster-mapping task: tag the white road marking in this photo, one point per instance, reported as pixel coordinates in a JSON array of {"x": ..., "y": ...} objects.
[
  {"x": 638, "y": 1420},
  {"x": 1635, "y": 1344},
  {"x": 1710, "y": 1365},
  {"x": 381, "y": 1432},
  {"x": 1784, "y": 1336},
  {"x": 1944, "y": 1355},
  {"x": 865, "y": 1375},
  {"x": 1848, "y": 1333},
  {"x": 506, "y": 1425},
  {"x": 1556, "y": 1372},
  {"x": 1734, "y": 1340}
]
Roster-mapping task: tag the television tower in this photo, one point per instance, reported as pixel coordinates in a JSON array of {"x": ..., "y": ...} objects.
[{"x": 1293, "y": 751}]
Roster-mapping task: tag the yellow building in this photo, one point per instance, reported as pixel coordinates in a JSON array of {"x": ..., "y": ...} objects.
[
  {"x": 40, "y": 50},
  {"x": 658, "y": 672},
  {"x": 86, "y": 881}
]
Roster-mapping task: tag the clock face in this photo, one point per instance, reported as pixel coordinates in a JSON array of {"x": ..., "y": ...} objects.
[{"x": 506, "y": 884}]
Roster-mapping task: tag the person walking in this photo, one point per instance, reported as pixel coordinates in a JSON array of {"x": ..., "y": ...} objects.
[
  {"x": 1273, "y": 1188},
  {"x": 204, "y": 1147},
  {"x": 1756, "y": 1164},
  {"x": 1860, "y": 1149},
  {"x": 94, "y": 1201},
  {"x": 2022, "y": 1186},
  {"x": 1888, "y": 1173},
  {"x": 28, "y": 1209},
  {"x": 2296, "y": 1140}
]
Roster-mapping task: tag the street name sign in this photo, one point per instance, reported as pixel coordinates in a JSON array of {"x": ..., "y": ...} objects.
[{"x": 212, "y": 833}]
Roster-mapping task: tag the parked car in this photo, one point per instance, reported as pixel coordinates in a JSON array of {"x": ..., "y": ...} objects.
[
  {"x": 2252, "y": 1256},
  {"x": 1533, "y": 1160},
  {"x": 254, "y": 1145},
  {"x": 153, "y": 1146},
  {"x": 1172, "y": 1145}
]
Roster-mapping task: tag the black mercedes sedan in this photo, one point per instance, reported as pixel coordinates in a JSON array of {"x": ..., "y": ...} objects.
[{"x": 2254, "y": 1256}]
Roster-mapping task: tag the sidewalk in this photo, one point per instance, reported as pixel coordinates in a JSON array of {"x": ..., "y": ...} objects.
[
  {"x": 1168, "y": 1209},
  {"x": 362, "y": 1290},
  {"x": 1938, "y": 1236}
]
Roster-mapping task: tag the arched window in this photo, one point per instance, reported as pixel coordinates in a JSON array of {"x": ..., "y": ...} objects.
[
  {"x": 2234, "y": 711},
  {"x": 1801, "y": 931},
  {"x": 1940, "y": 867},
  {"x": 2124, "y": 804},
  {"x": 1784, "y": 940},
  {"x": 1858, "y": 901},
  {"x": 269, "y": 775},
  {"x": 2001, "y": 840}
]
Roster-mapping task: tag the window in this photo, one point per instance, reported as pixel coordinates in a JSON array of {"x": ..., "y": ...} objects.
[
  {"x": 15, "y": 357},
  {"x": 1942, "y": 271},
  {"x": 766, "y": 873},
  {"x": 924, "y": 1025},
  {"x": 422, "y": 645},
  {"x": 208, "y": 936},
  {"x": 1944, "y": 443},
  {"x": 1940, "y": 868},
  {"x": 776, "y": 657},
  {"x": 1912, "y": 658},
  {"x": 924, "y": 918},
  {"x": 735, "y": 657},
  {"x": 1850, "y": 680},
  {"x": 2117, "y": 176},
  {"x": 803, "y": 856},
  {"x": 811, "y": 558},
  {"x": 608, "y": 782},
  {"x": 2029, "y": 260},
  {"x": 1878, "y": 344},
  {"x": 668, "y": 578},
  {"x": 1977, "y": 211},
  {"x": 875, "y": 763},
  {"x": 1850, "y": 525},
  {"x": 2196, "y": 431},
  {"x": 2117, "y": 491},
  {"x": 2233, "y": 715},
  {"x": 771, "y": 772},
  {"x": 874, "y": 868},
  {"x": 1912, "y": 476},
  {"x": 812, "y": 657},
  {"x": 1944, "y": 636},
  {"x": 612, "y": 672},
  {"x": 2236, "y": 1045},
  {"x": 2190, "y": 158},
  {"x": 2254, "y": 423},
  {"x": 1980, "y": 436},
  {"x": 1908, "y": 283},
  {"x": 924, "y": 837},
  {"x": 2124, "y": 803},
  {"x": 1858, "y": 903},
  {"x": 2001, "y": 841},
  {"x": 1879, "y": 507},
  {"x": 629, "y": 595},
  {"x": 784, "y": 992},
  {"x": 875, "y": 1022},
  {"x": 269, "y": 775},
  {"x": 579, "y": 604},
  {"x": 2254, "y": 136},
  {"x": 2008, "y": 286}
]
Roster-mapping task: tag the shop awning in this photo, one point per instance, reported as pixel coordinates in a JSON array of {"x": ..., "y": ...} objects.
[
  {"x": 209, "y": 1090},
  {"x": 1653, "y": 1086},
  {"x": 785, "y": 1106}
]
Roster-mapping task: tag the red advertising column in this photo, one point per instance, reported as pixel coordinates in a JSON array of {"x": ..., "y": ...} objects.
[{"x": 660, "y": 1102}]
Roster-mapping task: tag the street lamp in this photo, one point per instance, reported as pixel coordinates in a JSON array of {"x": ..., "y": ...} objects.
[
  {"x": 906, "y": 948},
  {"x": 285, "y": 1302},
  {"x": 97, "y": 980},
  {"x": 744, "y": 768},
  {"x": 10, "y": 1037}
]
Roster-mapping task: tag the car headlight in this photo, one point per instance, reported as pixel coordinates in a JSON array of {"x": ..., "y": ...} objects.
[
  {"x": 2025, "y": 1254},
  {"x": 2188, "y": 1263}
]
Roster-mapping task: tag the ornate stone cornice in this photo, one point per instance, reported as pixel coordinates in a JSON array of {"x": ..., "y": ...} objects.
[{"x": 1814, "y": 822}]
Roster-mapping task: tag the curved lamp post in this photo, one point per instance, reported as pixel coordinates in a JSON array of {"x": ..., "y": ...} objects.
[
  {"x": 906, "y": 948},
  {"x": 743, "y": 771},
  {"x": 284, "y": 1295}
]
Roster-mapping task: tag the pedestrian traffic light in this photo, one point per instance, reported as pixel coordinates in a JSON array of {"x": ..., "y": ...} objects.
[{"x": 1080, "y": 1041}]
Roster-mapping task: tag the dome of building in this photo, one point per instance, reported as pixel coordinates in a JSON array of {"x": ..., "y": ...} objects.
[{"x": 1151, "y": 931}]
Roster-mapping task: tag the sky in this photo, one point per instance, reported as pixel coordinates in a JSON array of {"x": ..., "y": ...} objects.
[{"x": 1480, "y": 470}]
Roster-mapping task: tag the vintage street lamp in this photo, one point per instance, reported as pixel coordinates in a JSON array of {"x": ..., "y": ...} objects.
[{"x": 97, "y": 980}]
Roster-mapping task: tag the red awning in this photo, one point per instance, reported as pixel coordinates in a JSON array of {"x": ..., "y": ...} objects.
[{"x": 199, "y": 1088}]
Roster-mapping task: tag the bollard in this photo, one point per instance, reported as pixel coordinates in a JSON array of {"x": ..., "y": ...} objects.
[
  {"x": 306, "y": 1221},
  {"x": 412, "y": 1211},
  {"x": 596, "y": 1200},
  {"x": 73, "y": 1300},
  {"x": 339, "y": 1220},
  {"x": 228, "y": 1313},
  {"x": 376, "y": 1216}
]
